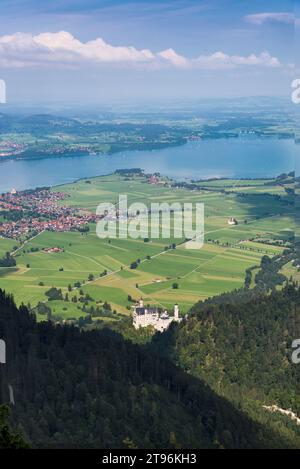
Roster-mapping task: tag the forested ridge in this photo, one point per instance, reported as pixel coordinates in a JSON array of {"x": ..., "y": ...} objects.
[
  {"x": 86, "y": 389},
  {"x": 8, "y": 438}
]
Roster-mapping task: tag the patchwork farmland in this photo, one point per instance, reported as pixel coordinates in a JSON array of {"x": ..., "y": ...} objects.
[{"x": 165, "y": 271}]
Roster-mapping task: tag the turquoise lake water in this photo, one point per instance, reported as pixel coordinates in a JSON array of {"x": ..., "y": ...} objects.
[{"x": 240, "y": 158}]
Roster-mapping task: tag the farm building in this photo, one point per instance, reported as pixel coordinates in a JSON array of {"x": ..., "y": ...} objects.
[{"x": 143, "y": 317}]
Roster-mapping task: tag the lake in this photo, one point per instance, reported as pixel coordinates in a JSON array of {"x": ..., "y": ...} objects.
[{"x": 231, "y": 158}]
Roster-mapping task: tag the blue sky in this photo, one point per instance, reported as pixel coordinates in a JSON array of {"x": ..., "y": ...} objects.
[{"x": 150, "y": 50}]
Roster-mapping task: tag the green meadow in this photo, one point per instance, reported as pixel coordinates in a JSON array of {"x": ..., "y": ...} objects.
[
  {"x": 164, "y": 274},
  {"x": 7, "y": 245}
]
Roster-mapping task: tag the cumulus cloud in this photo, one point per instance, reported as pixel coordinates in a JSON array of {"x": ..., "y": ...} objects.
[
  {"x": 221, "y": 60},
  {"x": 63, "y": 49},
  {"x": 173, "y": 58},
  {"x": 24, "y": 49},
  {"x": 261, "y": 18}
]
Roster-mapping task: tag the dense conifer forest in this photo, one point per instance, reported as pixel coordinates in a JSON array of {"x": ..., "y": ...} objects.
[
  {"x": 88, "y": 389},
  {"x": 240, "y": 344}
]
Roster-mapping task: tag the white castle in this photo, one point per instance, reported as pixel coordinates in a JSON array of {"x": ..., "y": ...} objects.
[{"x": 143, "y": 317}]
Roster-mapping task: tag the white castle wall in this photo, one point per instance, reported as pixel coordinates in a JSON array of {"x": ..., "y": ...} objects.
[{"x": 149, "y": 318}]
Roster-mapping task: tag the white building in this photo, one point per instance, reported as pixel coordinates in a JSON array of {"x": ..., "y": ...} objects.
[{"x": 143, "y": 317}]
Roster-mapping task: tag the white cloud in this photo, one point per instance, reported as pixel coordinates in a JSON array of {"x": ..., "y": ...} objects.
[
  {"x": 173, "y": 58},
  {"x": 24, "y": 49},
  {"x": 221, "y": 60},
  {"x": 261, "y": 18},
  {"x": 64, "y": 50}
]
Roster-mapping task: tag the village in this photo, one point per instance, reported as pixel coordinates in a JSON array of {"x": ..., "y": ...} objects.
[
  {"x": 32, "y": 212},
  {"x": 10, "y": 148}
]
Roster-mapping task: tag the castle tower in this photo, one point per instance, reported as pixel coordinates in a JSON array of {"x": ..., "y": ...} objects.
[
  {"x": 141, "y": 303},
  {"x": 176, "y": 312}
]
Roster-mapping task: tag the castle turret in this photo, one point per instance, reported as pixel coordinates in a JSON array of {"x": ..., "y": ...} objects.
[
  {"x": 141, "y": 303},
  {"x": 176, "y": 312}
]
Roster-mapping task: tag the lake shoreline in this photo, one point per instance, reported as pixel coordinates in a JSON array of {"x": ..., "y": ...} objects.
[{"x": 198, "y": 160}]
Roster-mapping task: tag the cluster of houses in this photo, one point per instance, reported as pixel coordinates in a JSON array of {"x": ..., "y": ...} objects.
[
  {"x": 39, "y": 199},
  {"x": 54, "y": 250},
  {"x": 9, "y": 148},
  {"x": 42, "y": 212},
  {"x": 25, "y": 226},
  {"x": 156, "y": 180}
]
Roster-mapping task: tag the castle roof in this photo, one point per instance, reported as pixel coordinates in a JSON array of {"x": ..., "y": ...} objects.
[
  {"x": 142, "y": 311},
  {"x": 164, "y": 315}
]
